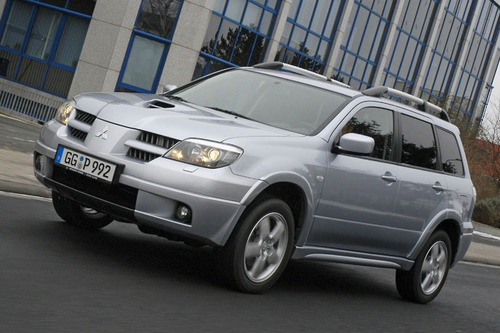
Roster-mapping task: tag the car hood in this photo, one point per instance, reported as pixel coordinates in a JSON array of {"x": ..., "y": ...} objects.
[{"x": 179, "y": 120}]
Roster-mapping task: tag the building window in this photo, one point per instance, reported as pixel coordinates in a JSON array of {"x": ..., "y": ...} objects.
[
  {"x": 365, "y": 38},
  {"x": 237, "y": 35},
  {"x": 445, "y": 53},
  {"x": 485, "y": 33},
  {"x": 41, "y": 42},
  {"x": 149, "y": 45},
  {"x": 411, "y": 37},
  {"x": 309, "y": 33}
]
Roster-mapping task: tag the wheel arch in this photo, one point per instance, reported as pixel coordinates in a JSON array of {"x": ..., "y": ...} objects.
[
  {"x": 452, "y": 228},
  {"x": 448, "y": 224},
  {"x": 294, "y": 196},
  {"x": 294, "y": 190}
]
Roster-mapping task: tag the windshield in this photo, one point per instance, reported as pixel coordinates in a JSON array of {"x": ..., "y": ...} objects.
[{"x": 274, "y": 101}]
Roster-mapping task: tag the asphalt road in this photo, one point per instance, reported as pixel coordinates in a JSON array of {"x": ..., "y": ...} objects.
[
  {"x": 57, "y": 278},
  {"x": 18, "y": 135}
]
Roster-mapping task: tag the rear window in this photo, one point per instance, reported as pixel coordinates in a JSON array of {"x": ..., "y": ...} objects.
[
  {"x": 451, "y": 159},
  {"x": 419, "y": 145}
]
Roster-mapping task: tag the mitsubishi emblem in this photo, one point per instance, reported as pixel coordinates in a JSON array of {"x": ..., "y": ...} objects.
[{"x": 103, "y": 135}]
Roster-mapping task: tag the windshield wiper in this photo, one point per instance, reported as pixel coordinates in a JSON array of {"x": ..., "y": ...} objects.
[{"x": 236, "y": 114}]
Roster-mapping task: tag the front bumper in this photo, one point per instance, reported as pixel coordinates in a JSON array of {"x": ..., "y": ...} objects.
[{"x": 149, "y": 194}]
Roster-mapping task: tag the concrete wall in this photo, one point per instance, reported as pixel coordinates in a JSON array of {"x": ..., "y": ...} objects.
[{"x": 105, "y": 46}]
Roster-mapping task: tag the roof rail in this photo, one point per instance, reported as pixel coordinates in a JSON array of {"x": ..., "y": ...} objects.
[
  {"x": 276, "y": 65},
  {"x": 421, "y": 104}
]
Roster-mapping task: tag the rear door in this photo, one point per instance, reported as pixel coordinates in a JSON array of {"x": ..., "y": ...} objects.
[{"x": 423, "y": 189}]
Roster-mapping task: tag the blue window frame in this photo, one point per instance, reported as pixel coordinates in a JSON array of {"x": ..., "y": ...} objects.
[
  {"x": 406, "y": 54},
  {"x": 309, "y": 33},
  {"x": 445, "y": 52},
  {"x": 148, "y": 46},
  {"x": 238, "y": 34},
  {"x": 41, "y": 42},
  {"x": 360, "y": 51},
  {"x": 466, "y": 97}
]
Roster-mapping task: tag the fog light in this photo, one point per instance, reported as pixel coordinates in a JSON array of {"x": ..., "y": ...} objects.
[
  {"x": 183, "y": 213},
  {"x": 38, "y": 162}
]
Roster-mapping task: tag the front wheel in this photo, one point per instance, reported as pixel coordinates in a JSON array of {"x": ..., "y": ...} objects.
[
  {"x": 256, "y": 255},
  {"x": 78, "y": 215},
  {"x": 426, "y": 278}
]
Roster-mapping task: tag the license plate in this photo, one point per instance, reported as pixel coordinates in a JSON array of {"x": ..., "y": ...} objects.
[{"x": 85, "y": 164}]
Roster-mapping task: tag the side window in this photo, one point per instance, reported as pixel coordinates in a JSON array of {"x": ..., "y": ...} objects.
[
  {"x": 450, "y": 153},
  {"x": 378, "y": 124},
  {"x": 418, "y": 143}
]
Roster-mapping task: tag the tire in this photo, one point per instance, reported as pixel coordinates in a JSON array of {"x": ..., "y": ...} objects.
[
  {"x": 426, "y": 278},
  {"x": 259, "y": 249},
  {"x": 77, "y": 215}
]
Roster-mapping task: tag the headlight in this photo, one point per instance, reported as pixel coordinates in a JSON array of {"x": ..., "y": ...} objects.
[
  {"x": 64, "y": 111},
  {"x": 204, "y": 153}
]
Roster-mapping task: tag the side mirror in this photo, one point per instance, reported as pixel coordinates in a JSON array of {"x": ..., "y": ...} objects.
[
  {"x": 356, "y": 144},
  {"x": 169, "y": 87}
]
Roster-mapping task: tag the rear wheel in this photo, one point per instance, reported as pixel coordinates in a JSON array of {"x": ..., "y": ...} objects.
[
  {"x": 426, "y": 278},
  {"x": 78, "y": 215},
  {"x": 256, "y": 255}
]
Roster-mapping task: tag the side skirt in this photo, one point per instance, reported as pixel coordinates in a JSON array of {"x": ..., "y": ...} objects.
[{"x": 351, "y": 257}]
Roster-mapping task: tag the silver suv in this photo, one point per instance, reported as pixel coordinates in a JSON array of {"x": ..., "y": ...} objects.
[{"x": 267, "y": 164}]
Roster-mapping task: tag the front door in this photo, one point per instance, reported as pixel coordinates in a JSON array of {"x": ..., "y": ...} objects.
[{"x": 356, "y": 209}]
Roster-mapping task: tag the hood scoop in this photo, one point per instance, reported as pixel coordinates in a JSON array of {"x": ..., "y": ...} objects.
[{"x": 158, "y": 104}]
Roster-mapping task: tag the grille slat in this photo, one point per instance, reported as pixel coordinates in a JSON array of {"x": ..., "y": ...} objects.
[
  {"x": 81, "y": 135},
  {"x": 153, "y": 139},
  {"x": 83, "y": 117}
]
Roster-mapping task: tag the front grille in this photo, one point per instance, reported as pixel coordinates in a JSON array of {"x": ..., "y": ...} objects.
[
  {"x": 152, "y": 139},
  {"x": 141, "y": 155},
  {"x": 157, "y": 140},
  {"x": 118, "y": 194},
  {"x": 85, "y": 117},
  {"x": 81, "y": 135}
]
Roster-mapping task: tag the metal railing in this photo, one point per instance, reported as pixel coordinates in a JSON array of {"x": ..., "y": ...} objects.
[{"x": 28, "y": 103}]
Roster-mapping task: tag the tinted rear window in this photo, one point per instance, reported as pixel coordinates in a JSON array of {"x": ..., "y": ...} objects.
[
  {"x": 450, "y": 153},
  {"x": 419, "y": 144}
]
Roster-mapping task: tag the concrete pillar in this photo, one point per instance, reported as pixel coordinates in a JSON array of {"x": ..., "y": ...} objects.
[
  {"x": 105, "y": 46},
  {"x": 279, "y": 27},
  {"x": 340, "y": 35},
  {"x": 187, "y": 42},
  {"x": 389, "y": 42},
  {"x": 2, "y": 6}
]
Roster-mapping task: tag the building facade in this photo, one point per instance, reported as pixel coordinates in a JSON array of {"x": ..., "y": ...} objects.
[{"x": 445, "y": 51}]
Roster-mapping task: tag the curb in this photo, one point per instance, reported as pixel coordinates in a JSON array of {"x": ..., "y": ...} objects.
[
  {"x": 487, "y": 229},
  {"x": 8, "y": 186},
  {"x": 20, "y": 117}
]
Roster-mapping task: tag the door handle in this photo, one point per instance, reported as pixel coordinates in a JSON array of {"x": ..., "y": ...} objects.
[
  {"x": 388, "y": 177},
  {"x": 438, "y": 187}
]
